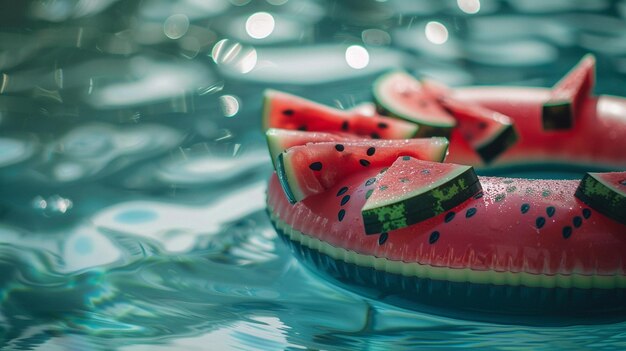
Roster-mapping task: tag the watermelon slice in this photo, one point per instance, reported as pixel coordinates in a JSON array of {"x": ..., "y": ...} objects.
[
  {"x": 488, "y": 132},
  {"x": 411, "y": 191},
  {"x": 286, "y": 111},
  {"x": 568, "y": 95},
  {"x": 606, "y": 193},
  {"x": 279, "y": 140},
  {"x": 401, "y": 95},
  {"x": 312, "y": 169}
]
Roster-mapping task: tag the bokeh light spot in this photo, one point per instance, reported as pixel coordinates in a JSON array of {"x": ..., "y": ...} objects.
[
  {"x": 436, "y": 32},
  {"x": 176, "y": 26},
  {"x": 357, "y": 57},
  {"x": 469, "y": 6},
  {"x": 260, "y": 25},
  {"x": 230, "y": 105}
]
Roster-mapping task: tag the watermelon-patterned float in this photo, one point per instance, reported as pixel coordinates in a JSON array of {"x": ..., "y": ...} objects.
[{"x": 409, "y": 221}]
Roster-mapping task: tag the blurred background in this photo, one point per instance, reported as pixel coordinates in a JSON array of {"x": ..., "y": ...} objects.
[{"x": 133, "y": 169}]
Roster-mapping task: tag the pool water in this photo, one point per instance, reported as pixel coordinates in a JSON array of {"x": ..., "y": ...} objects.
[{"x": 133, "y": 170}]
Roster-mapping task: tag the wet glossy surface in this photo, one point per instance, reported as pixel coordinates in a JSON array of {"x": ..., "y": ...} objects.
[{"x": 133, "y": 172}]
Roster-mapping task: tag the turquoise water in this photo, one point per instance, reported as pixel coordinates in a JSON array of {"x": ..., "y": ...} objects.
[{"x": 132, "y": 169}]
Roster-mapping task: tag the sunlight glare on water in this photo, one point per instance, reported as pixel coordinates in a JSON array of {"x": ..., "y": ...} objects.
[{"x": 133, "y": 169}]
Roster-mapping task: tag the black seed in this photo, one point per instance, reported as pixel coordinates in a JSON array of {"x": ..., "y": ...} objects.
[
  {"x": 302, "y": 128},
  {"x": 434, "y": 236},
  {"x": 382, "y": 125},
  {"x": 370, "y": 181},
  {"x": 500, "y": 197},
  {"x": 375, "y": 136},
  {"x": 339, "y": 147},
  {"x": 623, "y": 182},
  {"x": 345, "y": 200},
  {"x": 345, "y": 125},
  {"x": 508, "y": 181},
  {"x": 449, "y": 216},
  {"x": 382, "y": 238},
  {"x": 479, "y": 195},
  {"x": 550, "y": 211},
  {"x": 404, "y": 180},
  {"x": 578, "y": 221},
  {"x": 425, "y": 171},
  {"x": 316, "y": 166},
  {"x": 383, "y": 187},
  {"x": 540, "y": 222},
  {"x": 342, "y": 191},
  {"x": 511, "y": 189},
  {"x": 371, "y": 151},
  {"x": 406, "y": 158},
  {"x": 341, "y": 214},
  {"x": 586, "y": 213},
  {"x": 482, "y": 125},
  {"x": 288, "y": 112},
  {"x": 383, "y": 170},
  {"x": 545, "y": 193},
  {"x": 368, "y": 194},
  {"x": 470, "y": 212},
  {"x": 364, "y": 163},
  {"x": 525, "y": 208},
  {"x": 567, "y": 232}
]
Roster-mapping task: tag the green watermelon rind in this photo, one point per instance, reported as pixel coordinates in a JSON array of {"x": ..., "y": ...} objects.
[
  {"x": 427, "y": 202},
  {"x": 267, "y": 108},
  {"x": 288, "y": 176},
  {"x": 284, "y": 179},
  {"x": 557, "y": 115},
  {"x": 272, "y": 145},
  {"x": 602, "y": 197},
  {"x": 492, "y": 148},
  {"x": 388, "y": 107}
]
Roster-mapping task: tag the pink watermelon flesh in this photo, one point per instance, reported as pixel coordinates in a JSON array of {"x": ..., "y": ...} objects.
[
  {"x": 568, "y": 94},
  {"x": 401, "y": 95},
  {"x": 314, "y": 168},
  {"x": 279, "y": 140},
  {"x": 490, "y": 133},
  {"x": 286, "y": 111},
  {"x": 411, "y": 191},
  {"x": 606, "y": 193}
]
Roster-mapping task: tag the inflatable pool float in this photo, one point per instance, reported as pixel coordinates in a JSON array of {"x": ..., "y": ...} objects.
[{"x": 409, "y": 221}]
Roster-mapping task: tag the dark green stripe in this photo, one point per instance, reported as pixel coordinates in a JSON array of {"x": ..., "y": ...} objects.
[
  {"x": 557, "y": 115},
  {"x": 282, "y": 178},
  {"x": 498, "y": 145},
  {"x": 612, "y": 206}
]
